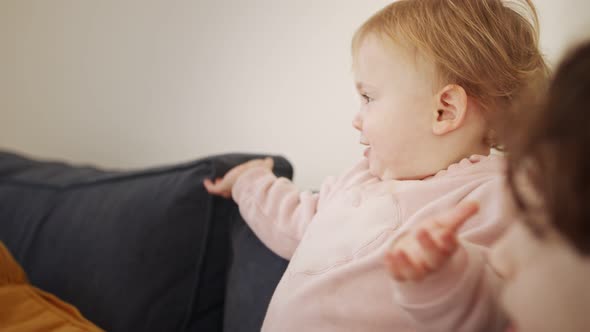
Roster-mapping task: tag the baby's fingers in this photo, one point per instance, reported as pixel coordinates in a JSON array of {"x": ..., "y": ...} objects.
[
  {"x": 434, "y": 255},
  {"x": 452, "y": 222},
  {"x": 219, "y": 187},
  {"x": 402, "y": 268},
  {"x": 393, "y": 267},
  {"x": 210, "y": 186},
  {"x": 454, "y": 219}
]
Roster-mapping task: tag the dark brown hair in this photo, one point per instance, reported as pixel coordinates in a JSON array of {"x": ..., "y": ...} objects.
[{"x": 550, "y": 145}]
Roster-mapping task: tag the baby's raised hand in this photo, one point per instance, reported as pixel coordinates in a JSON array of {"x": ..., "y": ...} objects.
[
  {"x": 425, "y": 248},
  {"x": 223, "y": 186}
]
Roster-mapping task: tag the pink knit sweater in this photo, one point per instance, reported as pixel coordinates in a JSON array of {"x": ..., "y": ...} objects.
[{"x": 336, "y": 240}]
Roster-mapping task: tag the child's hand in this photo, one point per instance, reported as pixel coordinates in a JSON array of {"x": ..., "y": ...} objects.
[
  {"x": 223, "y": 186},
  {"x": 427, "y": 247}
]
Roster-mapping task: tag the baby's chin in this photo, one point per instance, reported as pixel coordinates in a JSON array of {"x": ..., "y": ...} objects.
[{"x": 379, "y": 172}]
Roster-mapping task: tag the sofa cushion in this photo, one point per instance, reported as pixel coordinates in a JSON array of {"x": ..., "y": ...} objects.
[
  {"x": 253, "y": 274},
  {"x": 133, "y": 251}
]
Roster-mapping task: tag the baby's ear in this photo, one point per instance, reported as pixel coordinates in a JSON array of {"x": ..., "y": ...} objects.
[{"x": 451, "y": 107}]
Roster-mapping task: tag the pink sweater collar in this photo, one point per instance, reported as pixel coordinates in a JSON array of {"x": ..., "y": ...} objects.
[{"x": 488, "y": 162}]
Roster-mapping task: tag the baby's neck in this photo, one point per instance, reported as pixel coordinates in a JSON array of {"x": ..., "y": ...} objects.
[{"x": 480, "y": 149}]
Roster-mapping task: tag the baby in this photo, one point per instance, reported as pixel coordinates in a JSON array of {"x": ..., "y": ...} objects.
[{"x": 431, "y": 75}]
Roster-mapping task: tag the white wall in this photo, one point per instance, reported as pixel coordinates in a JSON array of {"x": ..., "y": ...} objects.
[{"x": 135, "y": 83}]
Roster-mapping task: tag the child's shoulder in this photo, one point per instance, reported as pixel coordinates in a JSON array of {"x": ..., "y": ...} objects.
[{"x": 487, "y": 175}]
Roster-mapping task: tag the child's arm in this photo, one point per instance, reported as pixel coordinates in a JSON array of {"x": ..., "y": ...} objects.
[
  {"x": 274, "y": 208},
  {"x": 443, "y": 283}
]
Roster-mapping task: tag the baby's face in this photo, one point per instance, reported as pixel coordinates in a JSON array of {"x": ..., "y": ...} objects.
[
  {"x": 546, "y": 282},
  {"x": 395, "y": 119}
]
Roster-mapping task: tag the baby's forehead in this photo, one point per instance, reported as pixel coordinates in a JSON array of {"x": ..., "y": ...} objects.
[
  {"x": 378, "y": 55},
  {"x": 396, "y": 45}
]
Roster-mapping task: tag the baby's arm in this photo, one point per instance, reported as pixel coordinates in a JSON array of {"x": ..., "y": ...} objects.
[
  {"x": 274, "y": 208},
  {"x": 444, "y": 283}
]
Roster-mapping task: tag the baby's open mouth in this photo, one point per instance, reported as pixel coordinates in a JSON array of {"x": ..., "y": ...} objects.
[{"x": 364, "y": 141}]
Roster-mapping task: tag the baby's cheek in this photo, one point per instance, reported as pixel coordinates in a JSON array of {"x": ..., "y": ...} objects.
[
  {"x": 511, "y": 301},
  {"x": 526, "y": 299}
]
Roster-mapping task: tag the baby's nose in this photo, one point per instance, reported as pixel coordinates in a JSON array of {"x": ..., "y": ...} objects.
[{"x": 356, "y": 122}]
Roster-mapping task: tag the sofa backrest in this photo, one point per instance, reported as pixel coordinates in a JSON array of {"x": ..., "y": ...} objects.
[{"x": 145, "y": 250}]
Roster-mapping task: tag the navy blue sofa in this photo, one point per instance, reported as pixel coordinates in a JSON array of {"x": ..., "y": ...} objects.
[{"x": 145, "y": 250}]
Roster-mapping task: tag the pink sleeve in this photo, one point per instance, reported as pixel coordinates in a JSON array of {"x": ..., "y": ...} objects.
[
  {"x": 460, "y": 298},
  {"x": 275, "y": 209},
  {"x": 463, "y": 295}
]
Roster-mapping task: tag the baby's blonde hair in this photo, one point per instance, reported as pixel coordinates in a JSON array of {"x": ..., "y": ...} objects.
[{"x": 489, "y": 47}]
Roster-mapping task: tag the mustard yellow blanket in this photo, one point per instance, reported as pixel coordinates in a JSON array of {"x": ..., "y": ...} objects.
[{"x": 24, "y": 308}]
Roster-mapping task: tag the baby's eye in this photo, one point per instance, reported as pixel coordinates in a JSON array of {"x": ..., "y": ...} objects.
[{"x": 366, "y": 99}]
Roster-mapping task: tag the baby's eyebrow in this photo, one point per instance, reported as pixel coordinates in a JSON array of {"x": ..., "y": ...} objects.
[{"x": 363, "y": 86}]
